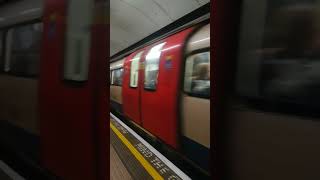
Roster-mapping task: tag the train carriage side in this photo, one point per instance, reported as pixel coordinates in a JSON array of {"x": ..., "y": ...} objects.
[
  {"x": 272, "y": 111},
  {"x": 195, "y": 98},
  {"x": 131, "y": 84},
  {"x": 166, "y": 91},
  {"x": 20, "y": 54},
  {"x": 157, "y": 86},
  {"x": 116, "y": 73}
]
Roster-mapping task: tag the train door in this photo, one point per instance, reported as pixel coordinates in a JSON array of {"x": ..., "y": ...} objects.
[
  {"x": 72, "y": 89},
  {"x": 131, "y": 87},
  {"x": 159, "y": 88}
]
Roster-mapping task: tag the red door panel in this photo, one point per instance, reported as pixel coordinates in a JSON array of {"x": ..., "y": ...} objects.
[
  {"x": 73, "y": 117},
  {"x": 159, "y": 108},
  {"x": 130, "y": 95}
]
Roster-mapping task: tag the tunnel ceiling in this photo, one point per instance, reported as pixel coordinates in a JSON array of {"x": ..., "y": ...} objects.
[{"x": 133, "y": 20}]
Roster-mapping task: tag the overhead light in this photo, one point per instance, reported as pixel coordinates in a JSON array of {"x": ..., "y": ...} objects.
[
  {"x": 30, "y": 10},
  {"x": 172, "y": 47},
  {"x": 205, "y": 39}
]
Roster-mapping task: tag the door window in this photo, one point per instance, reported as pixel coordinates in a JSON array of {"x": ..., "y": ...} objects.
[
  {"x": 78, "y": 39},
  {"x": 152, "y": 67},
  {"x": 134, "y": 70}
]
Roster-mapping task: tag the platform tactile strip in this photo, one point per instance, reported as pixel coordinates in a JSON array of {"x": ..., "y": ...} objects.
[{"x": 156, "y": 167}]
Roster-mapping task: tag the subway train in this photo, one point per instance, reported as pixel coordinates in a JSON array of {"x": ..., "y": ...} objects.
[
  {"x": 46, "y": 107},
  {"x": 267, "y": 89},
  {"x": 164, "y": 89},
  {"x": 20, "y": 49}
]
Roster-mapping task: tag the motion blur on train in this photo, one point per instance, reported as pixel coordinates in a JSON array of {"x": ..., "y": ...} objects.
[
  {"x": 36, "y": 85},
  {"x": 20, "y": 49},
  {"x": 272, "y": 127},
  {"x": 164, "y": 89}
]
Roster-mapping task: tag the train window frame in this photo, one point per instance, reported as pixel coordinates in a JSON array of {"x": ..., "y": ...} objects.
[
  {"x": 110, "y": 77},
  {"x": 154, "y": 54},
  {"x": 195, "y": 52},
  {"x": 113, "y": 75},
  {"x": 8, "y": 47},
  {"x": 135, "y": 62}
]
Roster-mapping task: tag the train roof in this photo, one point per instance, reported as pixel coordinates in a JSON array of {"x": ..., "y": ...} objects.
[{"x": 20, "y": 11}]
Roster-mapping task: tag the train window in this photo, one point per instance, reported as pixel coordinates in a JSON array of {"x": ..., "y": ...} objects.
[
  {"x": 197, "y": 75},
  {"x": 152, "y": 67},
  {"x": 117, "y": 77},
  {"x": 24, "y": 52},
  {"x": 280, "y": 51},
  {"x": 134, "y": 70}
]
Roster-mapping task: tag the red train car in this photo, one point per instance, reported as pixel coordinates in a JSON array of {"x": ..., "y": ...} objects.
[
  {"x": 166, "y": 88},
  {"x": 49, "y": 70}
]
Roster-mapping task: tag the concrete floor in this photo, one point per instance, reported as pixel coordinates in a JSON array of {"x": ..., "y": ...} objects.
[{"x": 117, "y": 170}]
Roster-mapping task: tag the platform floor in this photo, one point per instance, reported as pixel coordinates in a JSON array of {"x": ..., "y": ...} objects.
[
  {"x": 131, "y": 157},
  {"x": 117, "y": 168}
]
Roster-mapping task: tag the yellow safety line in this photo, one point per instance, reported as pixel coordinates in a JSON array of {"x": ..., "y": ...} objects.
[{"x": 139, "y": 157}]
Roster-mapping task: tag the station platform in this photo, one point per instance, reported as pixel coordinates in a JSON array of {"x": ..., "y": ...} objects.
[{"x": 131, "y": 157}]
